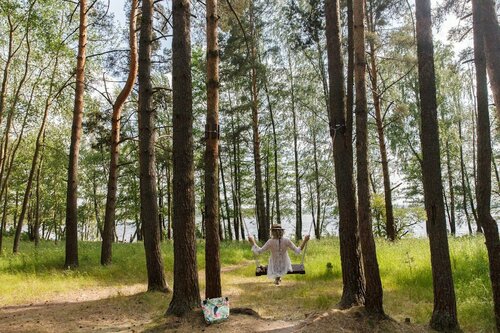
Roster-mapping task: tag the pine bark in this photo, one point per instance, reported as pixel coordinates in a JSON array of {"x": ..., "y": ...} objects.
[
  {"x": 444, "y": 316},
  {"x": 71, "y": 259},
  {"x": 186, "y": 294},
  {"x": 147, "y": 164},
  {"x": 109, "y": 215},
  {"x": 341, "y": 133},
  {"x": 491, "y": 36},
  {"x": 484, "y": 157},
  {"x": 374, "y": 293},
  {"x": 212, "y": 245}
]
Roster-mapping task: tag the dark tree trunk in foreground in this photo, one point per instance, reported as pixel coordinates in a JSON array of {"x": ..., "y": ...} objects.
[
  {"x": 484, "y": 157},
  {"x": 76, "y": 133},
  {"x": 444, "y": 316},
  {"x": 186, "y": 290},
  {"x": 109, "y": 216},
  {"x": 350, "y": 254},
  {"x": 212, "y": 245},
  {"x": 147, "y": 165},
  {"x": 373, "y": 294}
]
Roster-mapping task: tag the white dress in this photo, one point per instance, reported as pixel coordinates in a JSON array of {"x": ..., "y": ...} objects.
[{"x": 279, "y": 262}]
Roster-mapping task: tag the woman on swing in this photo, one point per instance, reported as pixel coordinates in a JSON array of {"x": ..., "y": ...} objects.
[{"x": 279, "y": 262}]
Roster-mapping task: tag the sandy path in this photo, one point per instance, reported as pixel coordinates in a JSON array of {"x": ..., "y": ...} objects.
[
  {"x": 132, "y": 309},
  {"x": 124, "y": 309}
]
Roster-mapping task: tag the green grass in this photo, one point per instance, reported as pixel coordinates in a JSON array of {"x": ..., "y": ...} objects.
[{"x": 404, "y": 267}]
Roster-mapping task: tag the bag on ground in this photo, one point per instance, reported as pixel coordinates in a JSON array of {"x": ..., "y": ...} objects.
[{"x": 215, "y": 309}]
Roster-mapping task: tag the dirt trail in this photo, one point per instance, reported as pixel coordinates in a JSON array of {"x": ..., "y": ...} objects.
[
  {"x": 131, "y": 309},
  {"x": 124, "y": 309}
]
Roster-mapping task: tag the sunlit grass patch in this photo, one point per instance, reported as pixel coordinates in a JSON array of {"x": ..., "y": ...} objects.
[{"x": 405, "y": 269}]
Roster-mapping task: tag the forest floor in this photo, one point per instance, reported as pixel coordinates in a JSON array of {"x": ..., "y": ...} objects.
[
  {"x": 131, "y": 309},
  {"x": 38, "y": 295}
]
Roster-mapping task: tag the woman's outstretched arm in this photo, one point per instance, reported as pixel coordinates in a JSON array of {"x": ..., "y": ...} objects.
[{"x": 255, "y": 248}]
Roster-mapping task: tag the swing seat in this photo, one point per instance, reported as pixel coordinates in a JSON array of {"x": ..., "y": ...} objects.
[{"x": 296, "y": 269}]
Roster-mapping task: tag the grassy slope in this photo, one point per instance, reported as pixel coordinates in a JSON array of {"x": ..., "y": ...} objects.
[{"x": 405, "y": 269}]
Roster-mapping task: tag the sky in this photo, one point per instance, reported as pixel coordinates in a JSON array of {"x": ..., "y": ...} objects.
[{"x": 116, "y": 7}]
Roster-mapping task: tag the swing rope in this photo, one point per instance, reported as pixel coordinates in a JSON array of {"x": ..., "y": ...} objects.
[
  {"x": 305, "y": 246},
  {"x": 257, "y": 264}
]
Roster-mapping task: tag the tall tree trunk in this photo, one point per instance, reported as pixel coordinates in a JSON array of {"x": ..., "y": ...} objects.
[
  {"x": 169, "y": 193},
  {"x": 38, "y": 195},
  {"x": 4, "y": 143},
  {"x": 71, "y": 259},
  {"x": 275, "y": 152},
  {"x": 484, "y": 156},
  {"x": 262, "y": 222},
  {"x": 374, "y": 294},
  {"x": 464, "y": 184},
  {"x": 350, "y": 76},
  {"x": 317, "y": 187},
  {"x": 38, "y": 144},
  {"x": 238, "y": 183},
  {"x": 4, "y": 219},
  {"x": 212, "y": 244},
  {"x": 298, "y": 194},
  {"x": 324, "y": 78},
  {"x": 263, "y": 232},
  {"x": 267, "y": 186},
  {"x": 109, "y": 215},
  {"x": 444, "y": 316},
  {"x": 97, "y": 211},
  {"x": 465, "y": 180},
  {"x": 479, "y": 229},
  {"x": 379, "y": 121},
  {"x": 341, "y": 133},
  {"x": 147, "y": 164},
  {"x": 491, "y": 36},
  {"x": 186, "y": 290},
  {"x": 234, "y": 178},
  {"x": 161, "y": 218},
  {"x": 226, "y": 201},
  {"x": 453, "y": 228},
  {"x": 12, "y": 158}
]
